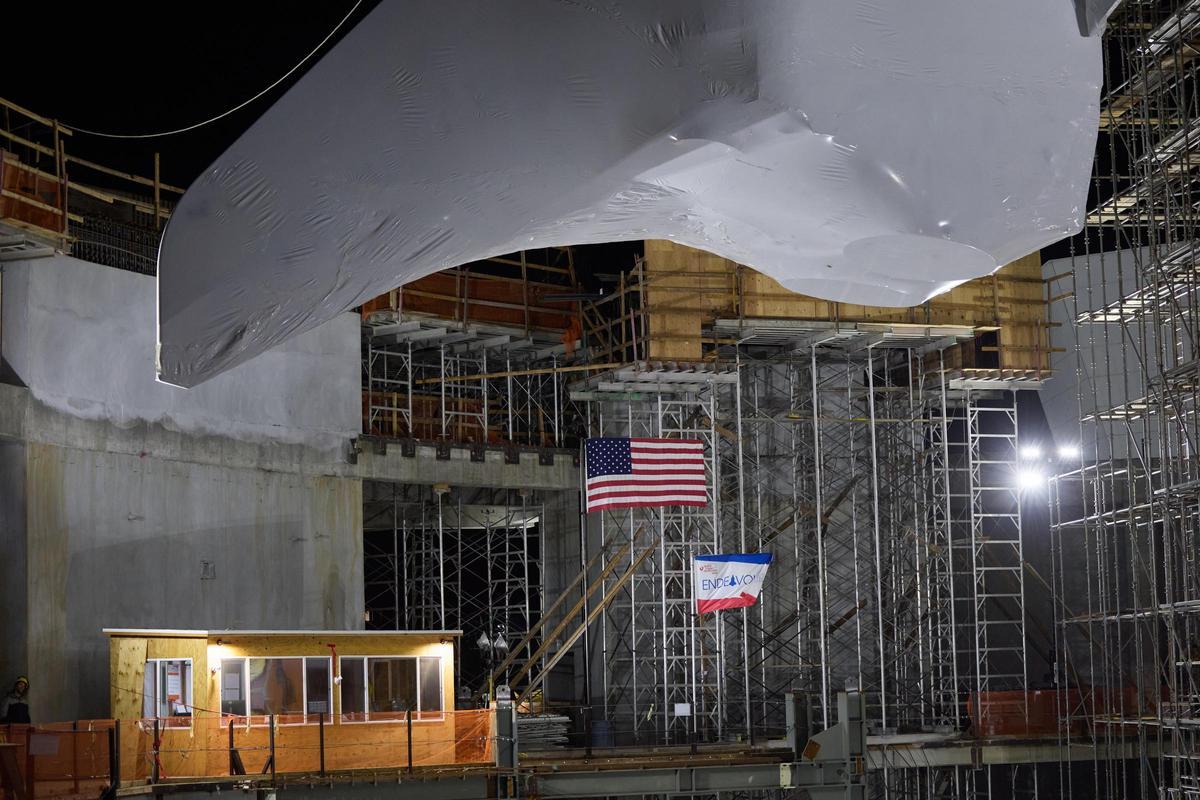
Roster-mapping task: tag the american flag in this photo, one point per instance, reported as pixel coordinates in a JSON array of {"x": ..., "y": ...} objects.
[{"x": 638, "y": 473}]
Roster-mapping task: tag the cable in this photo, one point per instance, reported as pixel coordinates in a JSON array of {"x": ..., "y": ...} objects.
[{"x": 233, "y": 110}]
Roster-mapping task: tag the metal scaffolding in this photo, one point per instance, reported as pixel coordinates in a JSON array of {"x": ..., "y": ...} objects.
[
  {"x": 1126, "y": 522},
  {"x": 663, "y": 671},
  {"x": 883, "y": 481},
  {"x": 438, "y": 380},
  {"x": 885, "y": 487},
  {"x": 461, "y": 559}
]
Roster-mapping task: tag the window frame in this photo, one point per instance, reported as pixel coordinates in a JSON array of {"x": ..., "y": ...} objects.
[
  {"x": 172, "y": 720},
  {"x": 307, "y": 717},
  {"x": 419, "y": 715}
]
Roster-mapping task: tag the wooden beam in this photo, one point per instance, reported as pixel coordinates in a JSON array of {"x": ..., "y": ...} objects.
[
  {"x": 549, "y": 613},
  {"x": 548, "y": 642},
  {"x": 49, "y": 123},
  {"x": 129, "y": 176},
  {"x": 592, "y": 614}
]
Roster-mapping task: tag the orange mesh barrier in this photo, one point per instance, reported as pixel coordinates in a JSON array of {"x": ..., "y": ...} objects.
[
  {"x": 30, "y": 196},
  {"x": 221, "y": 746},
  {"x": 1048, "y": 712},
  {"x": 62, "y": 760}
]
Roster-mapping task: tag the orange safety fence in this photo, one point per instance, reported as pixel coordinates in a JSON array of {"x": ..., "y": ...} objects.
[
  {"x": 211, "y": 746},
  {"x": 30, "y": 196},
  {"x": 1051, "y": 712},
  {"x": 62, "y": 760},
  {"x": 75, "y": 760}
]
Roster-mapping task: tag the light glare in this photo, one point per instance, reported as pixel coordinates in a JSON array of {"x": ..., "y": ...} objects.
[
  {"x": 1031, "y": 451},
  {"x": 1068, "y": 451},
  {"x": 1030, "y": 479}
]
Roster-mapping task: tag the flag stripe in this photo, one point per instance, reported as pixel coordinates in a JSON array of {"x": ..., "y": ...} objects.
[
  {"x": 643, "y": 472},
  {"x": 641, "y": 481},
  {"x": 723, "y": 604},
  {"x": 600, "y": 505},
  {"x": 618, "y": 491},
  {"x": 606, "y": 480},
  {"x": 641, "y": 442},
  {"x": 659, "y": 470}
]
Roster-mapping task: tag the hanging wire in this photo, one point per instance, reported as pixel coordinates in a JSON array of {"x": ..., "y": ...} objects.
[{"x": 235, "y": 109}]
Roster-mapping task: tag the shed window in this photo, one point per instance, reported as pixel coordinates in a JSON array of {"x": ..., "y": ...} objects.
[
  {"x": 276, "y": 685},
  {"x": 385, "y": 687},
  {"x": 293, "y": 686},
  {"x": 354, "y": 689},
  {"x": 167, "y": 690}
]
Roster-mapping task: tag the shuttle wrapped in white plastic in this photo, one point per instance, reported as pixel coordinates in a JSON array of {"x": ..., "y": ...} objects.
[{"x": 874, "y": 151}]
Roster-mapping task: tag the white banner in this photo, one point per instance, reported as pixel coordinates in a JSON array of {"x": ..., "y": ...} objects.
[{"x": 728, "y": 581}]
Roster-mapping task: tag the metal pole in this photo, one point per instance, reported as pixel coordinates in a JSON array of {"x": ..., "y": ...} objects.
[
  {"x": 737, "y": 394},
  {"x": 409, "y": 727},
  {"x": 819, "y": 514},
  {"x": 525, "y": 567},
  {"x": 583, "y": 523},
  {"x": 441, "y": 562},
  {"x": 554, "y": 383},
  {"x": 878, "y": 543},
  {"x": 75, "y": 743},
  {"x": 274, "y": 766},
  {"x": 395, "y": 557},
  {"x": 114, "y": 755},
  {"x": 321, "y": 739},
  {"x": 408, "y": 369},
  {"x": 442, "y": 387},
  {"x": 30, "y": 773},
  {"x": 509, "y": 405},
  {"x": 154, "y": 767}
]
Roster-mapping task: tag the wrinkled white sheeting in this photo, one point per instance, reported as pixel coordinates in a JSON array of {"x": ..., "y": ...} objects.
[
  {"x": 873, "y": 151},
  {"x": 1092, "y": 14}
]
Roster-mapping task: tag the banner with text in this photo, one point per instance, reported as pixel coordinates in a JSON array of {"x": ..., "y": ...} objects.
[{"x": 728, "y": 581}]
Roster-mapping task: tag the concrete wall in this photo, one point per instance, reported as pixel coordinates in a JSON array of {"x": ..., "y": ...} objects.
[
  {"x": 13, "y": 601},
  {"x": 82, "y": 338},
  {"x": 120, "y": 541},
  {"x": 129, "y": 503}
]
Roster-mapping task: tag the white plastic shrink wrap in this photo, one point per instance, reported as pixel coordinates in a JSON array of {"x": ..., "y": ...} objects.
[{"x": 875, "y": 151}]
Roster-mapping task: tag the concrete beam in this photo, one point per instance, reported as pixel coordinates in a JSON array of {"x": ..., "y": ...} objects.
[
  {"x": 424, "y": 467},
  {"x": 984, "y": 753},
  {"x": 23, "y": 418}
]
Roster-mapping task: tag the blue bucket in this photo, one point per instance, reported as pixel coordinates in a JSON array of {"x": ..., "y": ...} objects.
[{"x": 602, "y": 733}]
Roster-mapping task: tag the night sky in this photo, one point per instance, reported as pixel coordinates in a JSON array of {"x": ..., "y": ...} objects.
[{"x": 140, "y": 67}]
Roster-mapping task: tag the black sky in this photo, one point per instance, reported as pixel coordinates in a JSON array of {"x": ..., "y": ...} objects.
[{"x": 138, "y": 67}]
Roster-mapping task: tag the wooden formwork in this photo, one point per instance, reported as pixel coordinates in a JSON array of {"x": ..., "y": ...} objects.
[{"x": 684, "y": 289}]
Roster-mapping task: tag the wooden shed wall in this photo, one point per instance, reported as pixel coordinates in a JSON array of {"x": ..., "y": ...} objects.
[{"x": 128, "y": 655}]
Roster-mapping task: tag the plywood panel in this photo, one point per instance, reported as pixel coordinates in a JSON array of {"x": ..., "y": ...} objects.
[
  {"x": 127, "y": 668},
  {"x": 682, "y": 288},
  {"x": 201, "y": 748},
  {"x": 686, "y": 288}
]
